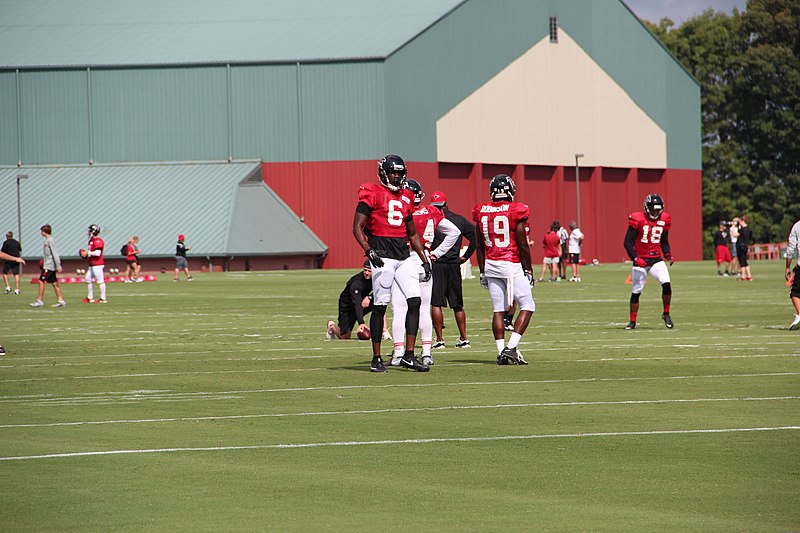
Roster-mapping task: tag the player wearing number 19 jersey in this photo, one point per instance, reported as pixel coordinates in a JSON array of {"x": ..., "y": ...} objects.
[
  {"x": 504, "y": 259},
  {"x": 645, "y": 241},
  {"x": 382, "y": 223}
]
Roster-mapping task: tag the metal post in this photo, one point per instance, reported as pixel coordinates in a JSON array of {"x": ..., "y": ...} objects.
[
  {"x": 578, "y": 187},
  {"x": 19, "y": 212}
]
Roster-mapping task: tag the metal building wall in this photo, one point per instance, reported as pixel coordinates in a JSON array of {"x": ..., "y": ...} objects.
[{"x": 9, "y": 140}]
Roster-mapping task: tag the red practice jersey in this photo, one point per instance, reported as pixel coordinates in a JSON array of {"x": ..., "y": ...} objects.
[
  {"x": 388, "y": 210},
  {"x": 426, "y": 218},
  {"x": 550, "y": 244},
  {"x": 497, "y": 222},
  {"x": 96, "y": 243},
  {"x": 648, "y": 233}
]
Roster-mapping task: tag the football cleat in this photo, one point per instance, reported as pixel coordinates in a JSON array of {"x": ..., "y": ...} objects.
[
  {"x": 522, "y": 360},
  {"x": 462, "y": 344},
  {"x": 2, "y": 350},
  {"x": 510, "y": 355},
  {"x": 412, "y": 363},
  {"x": 631, "y": 325},
  {"x": 795, "y": 324},
  {"x": 667, "y": 321},
  {"x": 386, "y": 335},
  {"x": 88, "y": 300},
  {"x": 502, "y": 360},
  {"x": 101, "y": 301},
  {"x": 427, "y": 360},
  {"x": 395, "y": 359},
  {"x": 377, "y": 366},
  {"x": 438, "y": 345},
  {"x": 329, "y": 334}
]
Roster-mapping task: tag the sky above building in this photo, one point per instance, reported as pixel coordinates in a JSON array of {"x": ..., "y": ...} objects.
[{"x": 680, "y": 10}]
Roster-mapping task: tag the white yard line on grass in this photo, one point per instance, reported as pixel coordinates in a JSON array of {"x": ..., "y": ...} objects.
[
  {"x": 400, "y": 441},
  {"x": 115, "y": 396},
  {"x": 393, "y": 410}
]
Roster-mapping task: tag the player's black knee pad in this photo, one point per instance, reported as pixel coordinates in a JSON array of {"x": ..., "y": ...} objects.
[
  {"x": 412, "y": 316},
  {"x": 376, "y": 320},
  {"x": 635, "y": 297},
  {"x": 666, "y": 288}
]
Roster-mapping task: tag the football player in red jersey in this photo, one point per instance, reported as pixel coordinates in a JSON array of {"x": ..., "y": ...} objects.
[
  {"x": 504, "y": 259},
  {"x": 96, "y": 265},
  {"x": 382, "y": 226},
  {"x": 427, "y": 220},
  {"x": 645, "y": 241}
]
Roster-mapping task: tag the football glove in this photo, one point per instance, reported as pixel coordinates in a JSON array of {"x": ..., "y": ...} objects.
[
  {"x": 374, "y": 258},
  {"x": 530, "y": 278},
  {"x": 428, "y": 273},
  {"x": 669, "y": 258},
  {"x": 484, "y": 281},
  {"x": 640, "y": 262}
]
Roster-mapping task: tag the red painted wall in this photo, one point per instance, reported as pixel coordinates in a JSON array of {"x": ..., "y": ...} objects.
[{"x": 323, "y": 194}]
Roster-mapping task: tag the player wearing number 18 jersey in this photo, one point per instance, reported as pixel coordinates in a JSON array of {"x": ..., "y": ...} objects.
[
  {"x": 504, "y": 259},
  {"x": 645, "y": 241},
  {"x": 382, "y": 223}
]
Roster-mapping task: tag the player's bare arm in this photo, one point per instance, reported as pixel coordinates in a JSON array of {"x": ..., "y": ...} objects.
[
  {"x": 359, "y": 223},
  {"x": 522, "y": 245},
  {"x": 413, "y": 238}
]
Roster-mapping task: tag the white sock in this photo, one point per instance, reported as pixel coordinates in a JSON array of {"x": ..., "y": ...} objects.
[{"x": 513, "y": 342}]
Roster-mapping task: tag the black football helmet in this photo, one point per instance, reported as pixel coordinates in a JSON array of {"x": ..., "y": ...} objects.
[
  {"x": 392, "y": 172},
  {"x": 94, "y": 230},
  {"x": 416, "y": 188},
  {"x": 502, "y": 187},
  {"x": 653, "y": 206}
]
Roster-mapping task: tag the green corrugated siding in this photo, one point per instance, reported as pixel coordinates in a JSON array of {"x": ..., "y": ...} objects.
[
  {"x": 54, "y": 126},
  {"x": 265, "y": 112},
  {"x": 160, "y": 114},
  {"x": 343, "y": 111},
  {"x": 9, "y": 140}
]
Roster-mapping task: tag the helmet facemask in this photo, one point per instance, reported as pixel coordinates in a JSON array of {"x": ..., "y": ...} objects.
[{"x": 392, "y": 172}]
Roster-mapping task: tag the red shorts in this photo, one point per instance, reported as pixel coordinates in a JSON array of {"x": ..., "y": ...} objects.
[{"x": 723, "y": 254}]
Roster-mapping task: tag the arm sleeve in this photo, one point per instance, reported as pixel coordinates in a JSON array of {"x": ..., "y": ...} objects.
[
  {"x": 665, "y": 242},
  {"x": 451, "y": 235},
  {"x": 363, "y": 208},
  {"x": 54, "y": 253},
  {"x": 356, "y": 290},
  {"x": 468, "y": 232},
  {"x": 794, "y": 242},
  {"x": 96, "y": 253},
  {"x": 630, "y": 240}
]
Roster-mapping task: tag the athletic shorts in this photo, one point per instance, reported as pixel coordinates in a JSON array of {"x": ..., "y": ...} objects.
[
  {"x": 741, "y": 254},
  {"x": 574, "y": 259},
  {"x": 12, "y": 267},
  {"x": 794, "y": 292},
  {"x": 48, "y": 276},
  {"x": 551, "y": 260},
  {"x": 181, "y": 263},
  {"x": 447, "y": 288},
  {"x": 723, "y": 254}
]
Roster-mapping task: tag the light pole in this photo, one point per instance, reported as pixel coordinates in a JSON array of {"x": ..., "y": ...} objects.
[{"x": 578, "y": 187}]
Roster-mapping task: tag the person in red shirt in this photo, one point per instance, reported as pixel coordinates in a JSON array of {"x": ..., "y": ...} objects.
[
  {"x": 383, "y": 226},
  {"x": 646, "y": 240},
  {"x": 94, "y": 253},
  {"x": 504, "y": 259},
  {"x": 428, "y": 219},
  {"x": 552, "y": 252}
]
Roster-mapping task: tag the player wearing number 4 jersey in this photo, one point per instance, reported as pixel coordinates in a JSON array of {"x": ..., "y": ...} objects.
[
  {"x": 382, "y": 226},
  {"x": 646, "y": 240},
  {"x": 504, "y": 259}
]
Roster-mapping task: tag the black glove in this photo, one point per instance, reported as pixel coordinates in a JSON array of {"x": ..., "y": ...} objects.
[
  {"x": 428, "y": 273},
  {"x": 374, "y": 258},
  {"x": 529, "y": 275}
]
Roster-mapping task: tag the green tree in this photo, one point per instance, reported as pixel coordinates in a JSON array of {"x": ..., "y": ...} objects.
[{"x": 749, "y": 71}]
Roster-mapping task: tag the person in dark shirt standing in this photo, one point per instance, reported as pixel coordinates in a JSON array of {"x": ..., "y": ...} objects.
[
  {"x": 180, "y": 258},
  {"x": 447, "y": 280},
  {"x": 11, "y": 247},
  {"x": 742, "y": 247},
  {"x": 355, "y": 301}
]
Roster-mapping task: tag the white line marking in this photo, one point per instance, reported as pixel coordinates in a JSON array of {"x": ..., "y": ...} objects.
[
  {"x": 392, "y": 410},
  {"x": 400, "y": 441}
]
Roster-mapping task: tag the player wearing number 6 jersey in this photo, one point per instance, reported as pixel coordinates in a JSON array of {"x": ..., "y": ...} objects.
[
  {"x": 645, "y": 241},
  {"x": 382, "y": 226},
  {"x": 504, "y": 259}
]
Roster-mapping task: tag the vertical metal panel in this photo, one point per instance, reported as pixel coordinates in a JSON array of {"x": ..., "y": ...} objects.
[
  {"x": 160, "y": 114},
  {"x": 265, "y": 112},
  {"x": 343, "y": 111},
  {"x": 9, "y": 140},
  {"x": 53, "y": 109}
]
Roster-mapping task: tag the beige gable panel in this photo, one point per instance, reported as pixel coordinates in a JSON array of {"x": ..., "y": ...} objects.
[{"x": 546, "y": 106}]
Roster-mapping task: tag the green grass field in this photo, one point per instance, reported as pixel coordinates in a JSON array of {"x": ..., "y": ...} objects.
[{"x": 218, "y": 405}]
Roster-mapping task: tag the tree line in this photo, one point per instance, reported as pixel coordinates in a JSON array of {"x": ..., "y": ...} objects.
[{"x": 748, "y": 67}]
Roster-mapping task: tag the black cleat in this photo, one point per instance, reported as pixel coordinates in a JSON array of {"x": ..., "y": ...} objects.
[
  {"x": 2, "y": 350},
  {"x": 412, "y": 363},
  {"x": 667, "y": 321},
  {"x": 631, "y": 325},
  {"x": 512, "y": 357},
  {"x": 377, "y": 366},
  {"x": 502, "y": 360}
]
